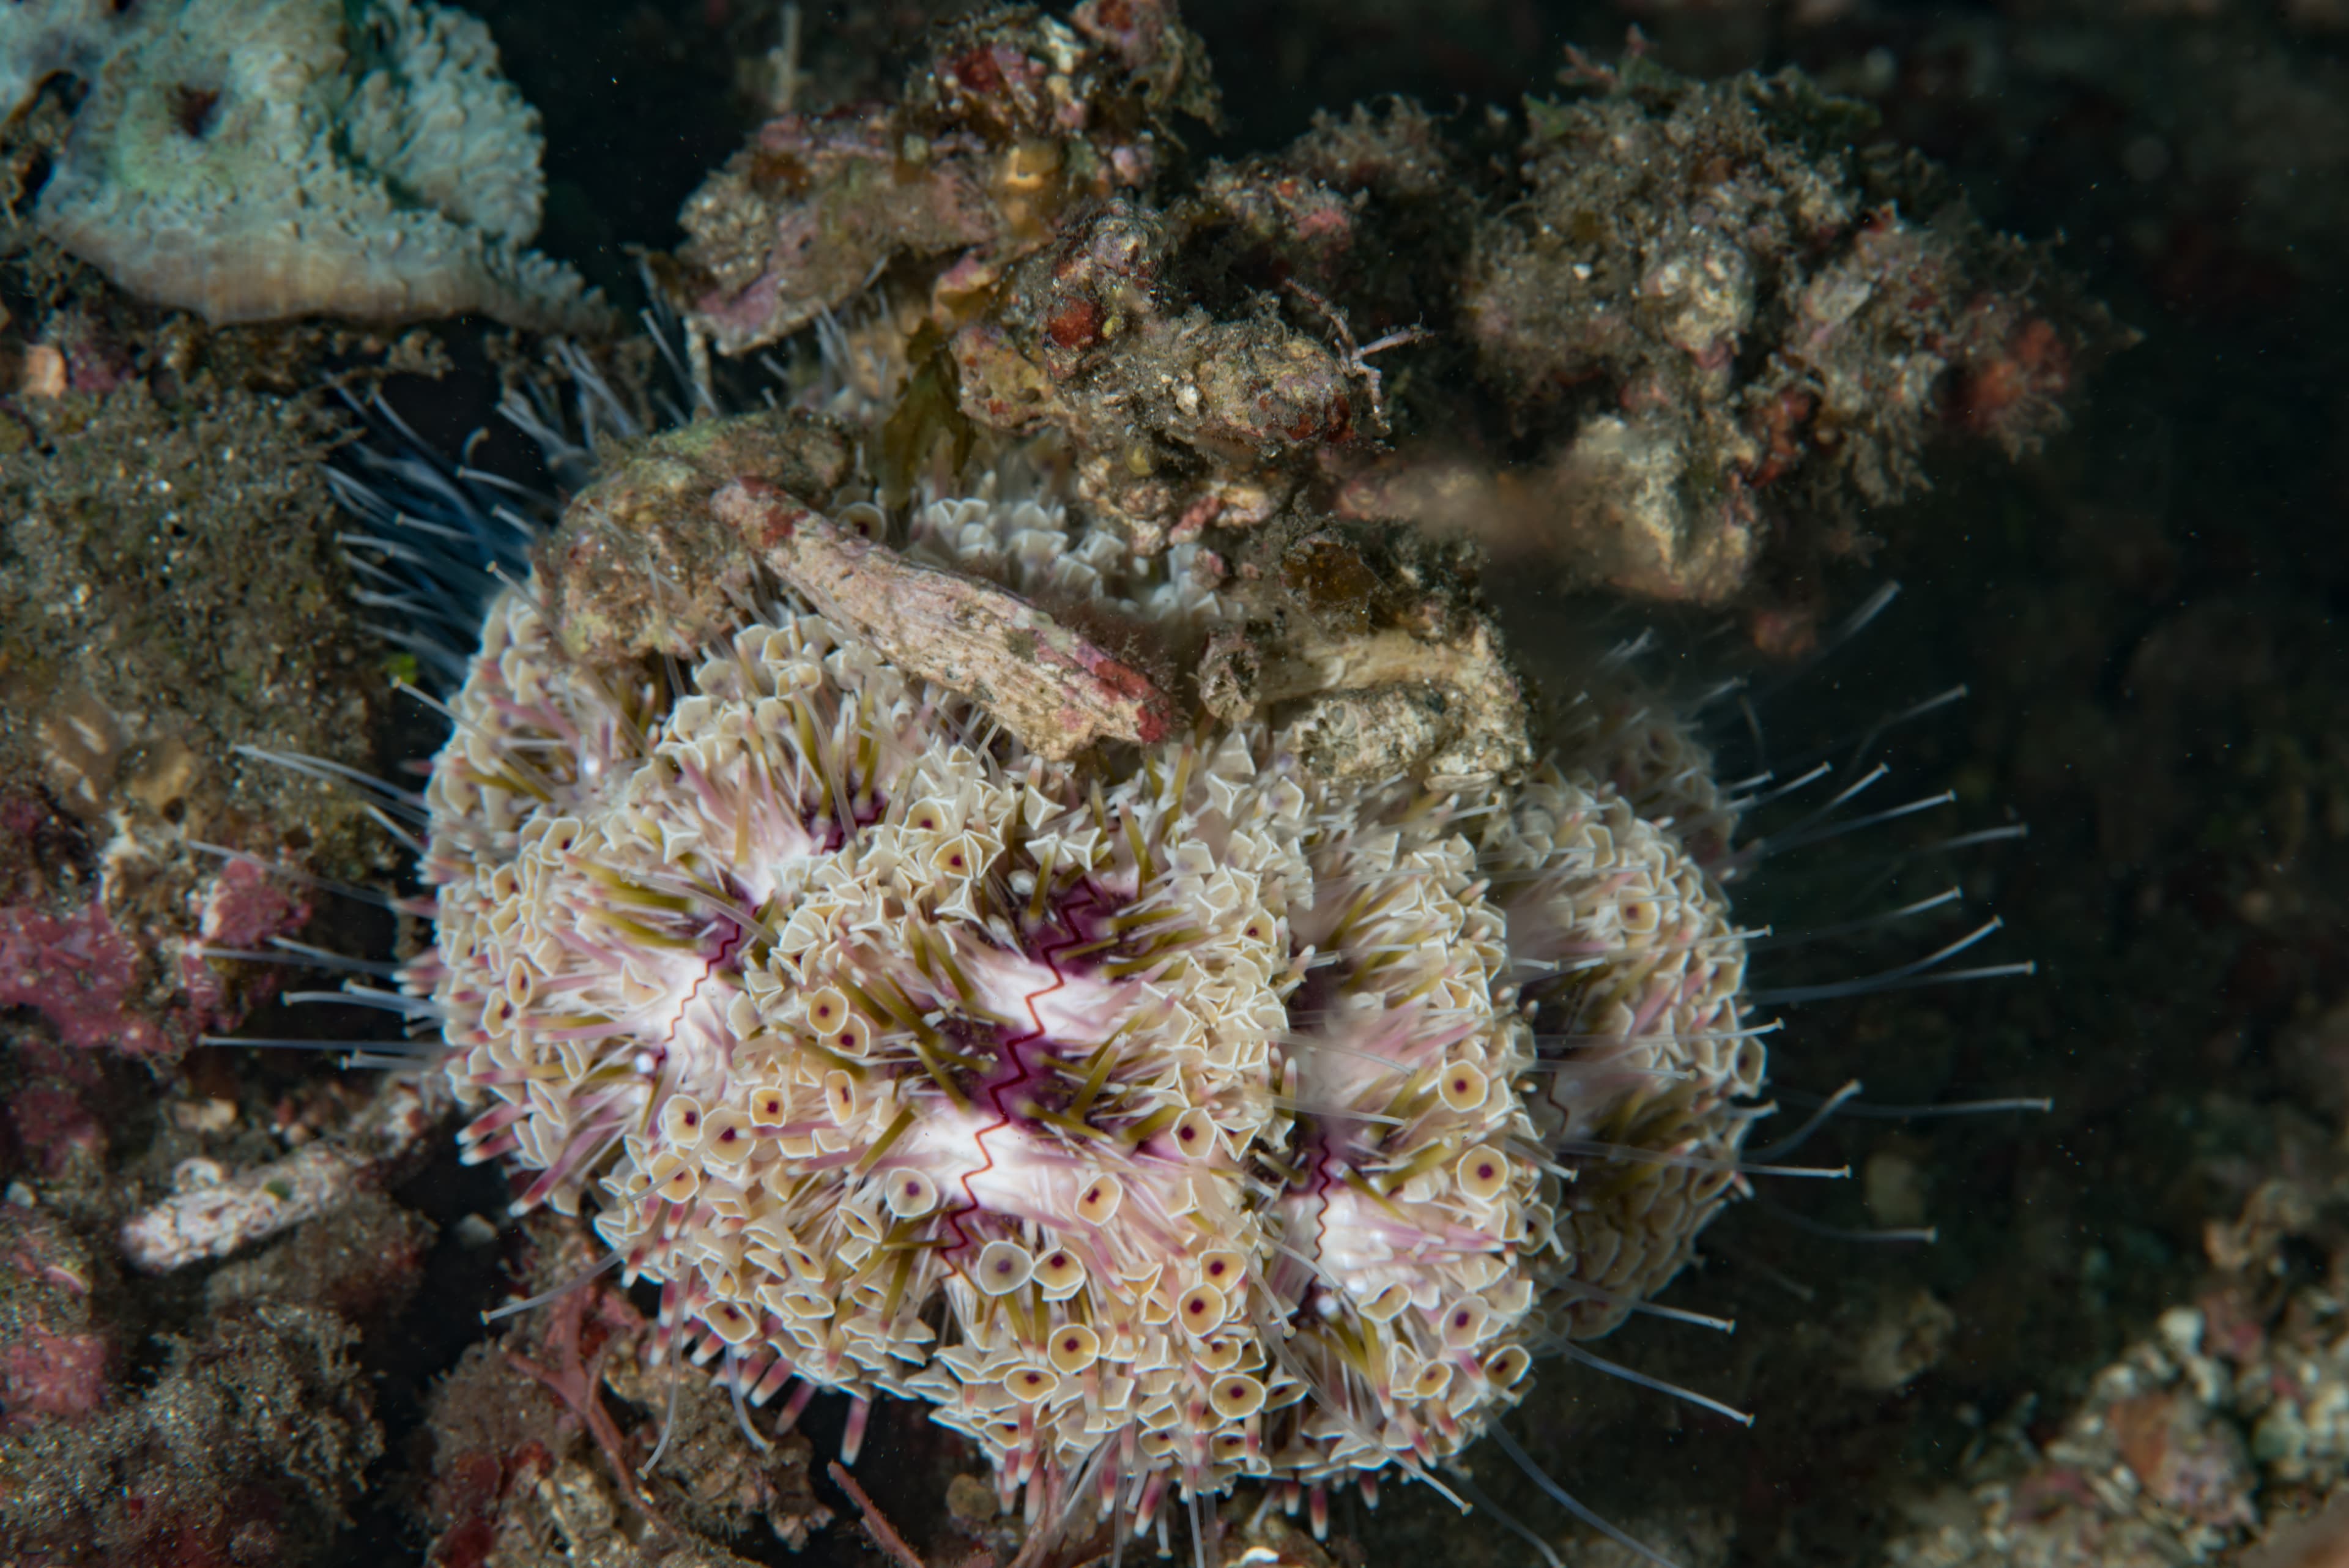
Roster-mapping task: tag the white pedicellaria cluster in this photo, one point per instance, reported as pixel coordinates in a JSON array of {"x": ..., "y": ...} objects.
[
  {"x": 1168, "y": 1124},
  {"x": 1027, "y": 546}
]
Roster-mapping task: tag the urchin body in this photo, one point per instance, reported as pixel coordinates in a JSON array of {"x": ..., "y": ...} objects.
[{"x": 1169, "y": 1120}]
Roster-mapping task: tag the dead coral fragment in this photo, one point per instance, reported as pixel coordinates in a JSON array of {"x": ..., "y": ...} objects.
[
  {"x": 214, "y": 1213},
  {"x": 1365, "y": 651},
  {"x": 652, "y": 559},
  {"x": 1059, "y": 692},
  {"x": 256, "y": 161}
]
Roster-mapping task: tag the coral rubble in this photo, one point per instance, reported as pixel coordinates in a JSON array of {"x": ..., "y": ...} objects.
[
  {"x": 260, "y": 162},
  {"x": 1701, "y": 317},
  {"x": 2222, "y": 1428}
]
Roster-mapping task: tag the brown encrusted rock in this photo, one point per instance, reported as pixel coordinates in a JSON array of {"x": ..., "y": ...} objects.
[
  {"x": 57, "y": 1351},
  {"x": 530, "y": 1465},
  {"x": 1370, "y": 707},
  {"x": 1373, "y": 210},
  {"x": 1738, "y": 319},
  {"x": 638, "y": 565},
  {"x": 1179, "y": 421},
  {"x": 1671, "y": 348},
  {"x": 1015, "y": 117},
  {"x": 1625, "y": 504},
  {"x": 797, "y": 222}
]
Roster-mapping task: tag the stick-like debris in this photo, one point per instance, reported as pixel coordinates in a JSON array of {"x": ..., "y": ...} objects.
[{"x": 884, "y": 1535}]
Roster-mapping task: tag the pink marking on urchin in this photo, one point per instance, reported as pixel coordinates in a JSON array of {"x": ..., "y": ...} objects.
[
  {"x": 1021, "y": 1074},
  {"x": 1073, "y": 1007},
  {"x": 796, "y": 1406},
  {"x": 578, "y": 1153},
  {"x": 669, "y": 1032}
]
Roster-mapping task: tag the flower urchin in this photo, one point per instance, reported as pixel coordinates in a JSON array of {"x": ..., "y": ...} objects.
[{"x": 1160, "y": 1121}]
